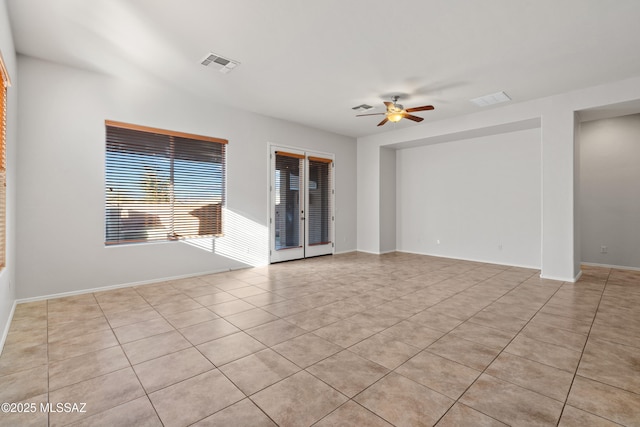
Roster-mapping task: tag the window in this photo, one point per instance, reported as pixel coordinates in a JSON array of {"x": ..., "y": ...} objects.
[
  {"x": 4, "y": 75},
  {"x": 162, "y": 185}
]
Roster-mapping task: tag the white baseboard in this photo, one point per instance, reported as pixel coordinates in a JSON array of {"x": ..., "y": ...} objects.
[
  {"x": 122, "y": 285},
  {"x": 368, "y": 252},
  {"x": 531, "y": 267},
  {"x": 618, "y": 267},
  {"x": 377, "y": 253},
  {"x": 562, "y": 279},
  {"x": 5, "y": 333},
  {"x": 345, "y": 252}
]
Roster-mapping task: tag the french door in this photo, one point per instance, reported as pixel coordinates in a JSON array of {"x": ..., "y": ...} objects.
[{"x": 302, "y": 204}]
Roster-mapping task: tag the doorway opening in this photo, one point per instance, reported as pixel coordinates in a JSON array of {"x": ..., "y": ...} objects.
[{"x": 608, "y": 195}]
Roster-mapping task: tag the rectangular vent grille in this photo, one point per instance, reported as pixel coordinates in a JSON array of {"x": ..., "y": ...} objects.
[
  {"x": 221, "y": 61},
  {"x": 494, "y": 98},
  {"x": 224, "y": 65},
  {"x": 362, "y": 107}
]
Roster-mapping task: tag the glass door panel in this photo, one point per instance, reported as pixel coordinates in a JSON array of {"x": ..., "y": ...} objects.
[
  {"x": 287, "y": 206},
  {"x": 302, "y": 215},
  {"x": 319, "y": 217}
]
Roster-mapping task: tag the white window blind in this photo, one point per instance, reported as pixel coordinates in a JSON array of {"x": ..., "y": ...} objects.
[{"x": 162, "y": 185}]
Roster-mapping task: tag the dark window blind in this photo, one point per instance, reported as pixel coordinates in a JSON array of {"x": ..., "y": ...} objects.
[
  {"x": 288, "y": 167},
  {"x": 319, "y": 194},
  {"x": 162, "y": 185}
]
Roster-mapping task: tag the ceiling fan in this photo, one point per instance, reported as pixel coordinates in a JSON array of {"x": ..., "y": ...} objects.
[{"x": 396, "y": 112}]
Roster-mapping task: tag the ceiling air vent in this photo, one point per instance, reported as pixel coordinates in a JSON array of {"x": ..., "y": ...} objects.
[
  {"x": 222, "y": 64},
  {"x": 494, "y": 98},
  {"x": 362, "y": 107}
]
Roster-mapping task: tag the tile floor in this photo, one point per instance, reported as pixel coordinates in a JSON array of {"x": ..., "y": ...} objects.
[{"x": 348, "y": 340}]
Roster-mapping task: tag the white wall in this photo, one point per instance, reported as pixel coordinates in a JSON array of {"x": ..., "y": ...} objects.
[
  {"x": 559, "y": 258},
  {"x": 61, "y": 180},
  {"x": 7, "y": 275},
  {"x": 368, "y": 195},
  {"x": 480, "y": 198},
  {"x": 577, "y": 217},
  {"x": 610, "y": 191},
  {"x": 554, "y": 115},
  {"x": 387, "y": 200}
]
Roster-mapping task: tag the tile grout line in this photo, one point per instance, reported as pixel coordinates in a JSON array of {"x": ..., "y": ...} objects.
[
  {"x": 127, "y": 357},
  {"x": 500, "y": 352},
  {"x": 216, "y": 367},
  {"x": 331, "y": 386},
  {"x": 432, "y": 305},
  {"x": 575, "y": 374},
  {"x": 375, "y": 333},
  {"x": 423, "y": 349}
]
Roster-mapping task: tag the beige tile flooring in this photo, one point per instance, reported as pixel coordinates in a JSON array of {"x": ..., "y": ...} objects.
[{"x": 347, "y": 340}]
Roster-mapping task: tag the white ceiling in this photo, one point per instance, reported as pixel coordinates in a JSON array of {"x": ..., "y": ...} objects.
[{"x": 311, "y": 61}]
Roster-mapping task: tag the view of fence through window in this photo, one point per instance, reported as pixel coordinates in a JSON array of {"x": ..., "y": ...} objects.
[{"x": 162, "y": 185}]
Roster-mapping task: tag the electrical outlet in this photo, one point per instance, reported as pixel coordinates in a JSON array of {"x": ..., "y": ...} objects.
[
  {"x": 603, "y": 249},
  {"x": 438, "y": 241}
]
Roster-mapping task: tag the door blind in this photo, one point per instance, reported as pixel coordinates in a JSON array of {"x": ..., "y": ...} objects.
[
  {"x": 288, "y": 167},
  {"x": 162, "y": 185},
  {"x": 319, "y": 195}
]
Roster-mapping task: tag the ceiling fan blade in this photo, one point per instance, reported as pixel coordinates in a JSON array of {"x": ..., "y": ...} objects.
[
  {"x": 412, "y": 117},
  {"x": 370, "y": 114},
  {"x": 383, "y": 122},
  {"x": 423, "y": 108},
  {"x": 388, "y": 104}
]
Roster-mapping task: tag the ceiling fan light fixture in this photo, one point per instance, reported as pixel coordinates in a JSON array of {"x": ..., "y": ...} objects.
[
  {"x": 396, "y": 112},
  {"x": 395, "y": 117}
]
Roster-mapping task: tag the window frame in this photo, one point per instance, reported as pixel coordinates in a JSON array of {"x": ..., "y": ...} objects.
[
  {"x": 5, "y": 83},
  {"x": 180, "y": 142}
]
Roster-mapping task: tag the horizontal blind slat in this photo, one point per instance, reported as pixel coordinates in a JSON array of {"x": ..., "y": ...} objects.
[
  {"x": 162, "y": 186},
  {"x": 4, "y": 84},
  {"x": 319, "y": 206}
]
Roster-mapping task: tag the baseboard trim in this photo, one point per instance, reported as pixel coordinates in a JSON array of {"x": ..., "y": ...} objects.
[
  {"x": 531, "y": 267},
  {"x": 368, "y": 252},
  {"x": 562, "y": 279},
  {"x": 345, "y": 252},
  {"x": 617, "y": 267},
  {"x": 119, "y": 286},
  {"x": 5, "y": 333}
]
